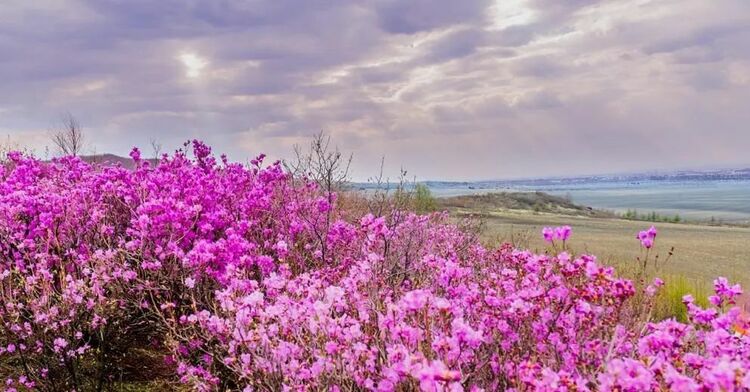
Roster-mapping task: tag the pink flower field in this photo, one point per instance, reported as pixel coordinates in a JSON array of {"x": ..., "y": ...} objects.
[{"x": 244, "y": 278}]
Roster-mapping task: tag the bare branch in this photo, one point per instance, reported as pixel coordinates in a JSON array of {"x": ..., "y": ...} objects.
[
  {"x": 69, "y": 137},
  {"x": 6, "y": 146},
  {"x": 321, "y": 163},
  {"x": 156, "y": 148}
]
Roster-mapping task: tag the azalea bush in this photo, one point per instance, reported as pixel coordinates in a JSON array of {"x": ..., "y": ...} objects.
[{"x": 249, "y": 278}]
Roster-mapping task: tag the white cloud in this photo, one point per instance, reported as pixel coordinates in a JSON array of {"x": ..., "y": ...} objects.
[{"x": 193, "y": 63}]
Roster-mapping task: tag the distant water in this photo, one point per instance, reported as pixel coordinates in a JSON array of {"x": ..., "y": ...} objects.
[{"x": 693, "y": 200}]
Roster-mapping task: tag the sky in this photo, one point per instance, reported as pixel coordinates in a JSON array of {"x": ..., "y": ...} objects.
[{"x": 451, "y": 90}]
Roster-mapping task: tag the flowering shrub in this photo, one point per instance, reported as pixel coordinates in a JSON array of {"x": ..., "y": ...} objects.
[{"x": 257, "y": 282}]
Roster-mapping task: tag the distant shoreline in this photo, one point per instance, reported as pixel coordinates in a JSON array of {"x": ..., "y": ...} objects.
[{"x": 481, "y": 201}]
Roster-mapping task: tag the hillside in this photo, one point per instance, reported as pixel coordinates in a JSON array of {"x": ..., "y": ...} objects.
[{"x": 525, "y": 201}]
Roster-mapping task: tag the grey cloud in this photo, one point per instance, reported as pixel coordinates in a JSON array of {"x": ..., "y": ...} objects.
[
  {"x": 708, "y": 79},
  {"x": 517, "y": 35},
  {"x": 540, "y": 100},
  {"x": 455, "y": 45},
  {"x": 694, "y": 55},
  {"x": 428, "y": 84},
  {"x": 701, "y": 38},
  {"x": 540, "y": 67},
  {"x": 379, "y": 74},
  {"x": 408, "y": 17},
  {"x": 554, "y": 7},
  {"x": 175, "y": 18}
]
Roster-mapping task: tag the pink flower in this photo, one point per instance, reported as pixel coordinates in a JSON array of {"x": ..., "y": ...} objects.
[
  {"x": 722, "y": 376},
  {"x": 433, "y": 376},
  {"x": 323, "y": 205},
  {"x": 135, "y": 153},
  {"x": 725, "y": 291},
  {"x": 549, "y": 234},
  {"x": 558, "y": 233},
  {"x": 626, "y": 374},
  {"x": 60, "y": 344},
  {"x": 680, "y": 382},
  {"x": 282, "y": 249},
  {"x": 416, "y": 299},
  {"x": 647, "y": 237},
  {"x": 563, "y": 232}
]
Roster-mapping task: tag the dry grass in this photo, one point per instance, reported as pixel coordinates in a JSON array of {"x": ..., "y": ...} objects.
[{"x": 701, "y": 252}]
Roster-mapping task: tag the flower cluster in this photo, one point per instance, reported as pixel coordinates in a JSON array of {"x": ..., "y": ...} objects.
[
  {"x": 647, "y": 237},
  {"x": 258, "y": 281},
  {"x": 561, "y": 233}
]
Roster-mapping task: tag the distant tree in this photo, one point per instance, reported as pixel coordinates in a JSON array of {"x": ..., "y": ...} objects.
[
  {"x": 424, "y": 202},
  {"x": 156, "y": 149},
  {"x": 69, "y": 138}
]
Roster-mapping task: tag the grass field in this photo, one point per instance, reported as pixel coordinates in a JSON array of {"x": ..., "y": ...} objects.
[{"x": 701, "y": 252}]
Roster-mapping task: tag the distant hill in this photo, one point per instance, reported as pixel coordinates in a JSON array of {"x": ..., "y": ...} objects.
[
  {"x": 108, "y": 159},
  {"x": 112, "y": 160},
  {"x": 527, "y": 201}
]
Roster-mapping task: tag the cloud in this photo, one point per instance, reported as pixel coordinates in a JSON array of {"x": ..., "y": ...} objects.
[
  {"x": 409, "y": 17},
  {"x": 447, "y": 89},
  {"x": 455, "y": 45}
]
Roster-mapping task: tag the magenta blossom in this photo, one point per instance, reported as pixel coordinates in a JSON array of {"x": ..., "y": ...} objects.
[
  {"x": 563, "y": 232},
  {"x": 647, "y": 237},
  {"x": 549, "y": 234},
  {"x": 558, "y": 233}
]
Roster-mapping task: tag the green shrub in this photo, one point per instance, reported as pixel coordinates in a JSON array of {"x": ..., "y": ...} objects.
[{"x": 424, "y": 202}]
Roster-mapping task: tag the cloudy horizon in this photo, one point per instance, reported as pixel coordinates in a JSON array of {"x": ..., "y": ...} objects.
[{"x": 448, "y": 90}]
